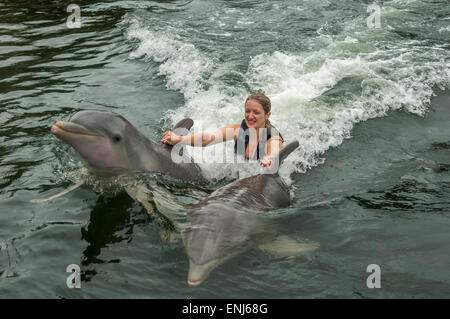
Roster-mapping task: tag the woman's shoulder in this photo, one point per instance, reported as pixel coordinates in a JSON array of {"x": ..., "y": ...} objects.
[{"x": 275, "y": 134}]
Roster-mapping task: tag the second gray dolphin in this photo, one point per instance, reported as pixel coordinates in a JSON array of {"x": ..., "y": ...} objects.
[{"x": 232, "y": 220}]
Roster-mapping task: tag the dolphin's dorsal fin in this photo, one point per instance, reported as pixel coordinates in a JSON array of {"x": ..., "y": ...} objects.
[
  {"x": 183, "y": 126},
  {"x": 288, "y": 149},
  {"x": 280, "y": 156}
]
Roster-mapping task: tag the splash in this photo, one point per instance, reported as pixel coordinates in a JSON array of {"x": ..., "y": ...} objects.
[{"x": 317, "y": 96}]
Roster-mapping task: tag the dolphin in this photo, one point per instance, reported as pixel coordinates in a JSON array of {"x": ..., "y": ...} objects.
[
  {"x": 232, "y": 220},
  {"x": 110, "y": 144}
]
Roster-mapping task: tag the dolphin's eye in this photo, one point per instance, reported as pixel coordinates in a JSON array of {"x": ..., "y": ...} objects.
[{"x": 117, "y": 138}]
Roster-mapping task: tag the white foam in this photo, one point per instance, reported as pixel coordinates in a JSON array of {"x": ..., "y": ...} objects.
[
  {"x": 293, "y": 88},
  {"x": 182, "y": 64},
  {"x": 389, "y": 80}
]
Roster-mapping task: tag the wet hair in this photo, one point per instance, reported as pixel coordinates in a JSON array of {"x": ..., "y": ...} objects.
[
  {"x": 261, "y": 99},
  {"x": 265, "y": 103}
]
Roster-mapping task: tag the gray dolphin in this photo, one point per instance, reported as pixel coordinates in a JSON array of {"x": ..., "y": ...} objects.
[
  {"x": 111, "y": 145},
  {"x": 230, "y": 220}
]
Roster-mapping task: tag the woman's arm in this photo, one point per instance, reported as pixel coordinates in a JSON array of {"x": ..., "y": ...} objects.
[{"x": 201, "y": 139}]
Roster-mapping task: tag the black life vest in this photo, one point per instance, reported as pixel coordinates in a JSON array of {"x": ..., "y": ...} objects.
[{"x": 243, "y": 138}]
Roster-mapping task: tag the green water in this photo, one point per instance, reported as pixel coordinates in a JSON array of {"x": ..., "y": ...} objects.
[{"x": 370, "y": 107}]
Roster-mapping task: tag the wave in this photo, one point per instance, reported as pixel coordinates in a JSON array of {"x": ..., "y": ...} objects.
[{"x": 317, "y": 97}]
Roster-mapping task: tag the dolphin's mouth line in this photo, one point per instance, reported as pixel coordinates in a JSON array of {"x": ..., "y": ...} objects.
[
  {"x": 73, "y": 128},
  {"x": 212, "y": 265},
  {"x": 194, "y": 283}
]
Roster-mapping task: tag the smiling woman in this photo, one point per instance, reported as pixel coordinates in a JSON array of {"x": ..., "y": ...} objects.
[{"x": 255, "y": 137}]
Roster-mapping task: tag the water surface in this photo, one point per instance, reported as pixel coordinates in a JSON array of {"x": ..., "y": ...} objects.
[{"x": 370, "y": 107}]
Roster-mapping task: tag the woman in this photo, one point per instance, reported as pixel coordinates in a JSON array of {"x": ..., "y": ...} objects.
[{"x": 255, "y": 137}]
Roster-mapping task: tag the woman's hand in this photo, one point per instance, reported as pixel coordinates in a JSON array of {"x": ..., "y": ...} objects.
[
  {"x": 171, "y": 138},
  {"x": 267, "y": 161}
]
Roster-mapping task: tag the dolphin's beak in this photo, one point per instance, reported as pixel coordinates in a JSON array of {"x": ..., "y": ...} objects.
[
  {"x": 91, "y": 143},
  {"x": 60, "y": 129},
  {"x": 198, "y": 273}
]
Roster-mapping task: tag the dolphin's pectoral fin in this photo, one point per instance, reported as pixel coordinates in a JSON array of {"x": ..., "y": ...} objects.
[
  {"x": 168, "y": 205},
  {"x": 143, "y": 196},
  {"x": 64, "y": 192},
  {"x": 163, "y": 213},
  {"x": 170, "y": 236},
  {"x": 285, "y": 246}
]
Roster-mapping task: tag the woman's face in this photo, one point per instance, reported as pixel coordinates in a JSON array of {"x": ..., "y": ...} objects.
[{"x": 254, "y": 114}]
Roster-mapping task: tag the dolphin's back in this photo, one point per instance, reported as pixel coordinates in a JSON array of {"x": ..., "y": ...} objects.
[
  {"x": 157, "y": 157},
  {"x": 263, "y": 191},
  {"x": 227, "y": 220},
  {"x": 186, "y": 170}
]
